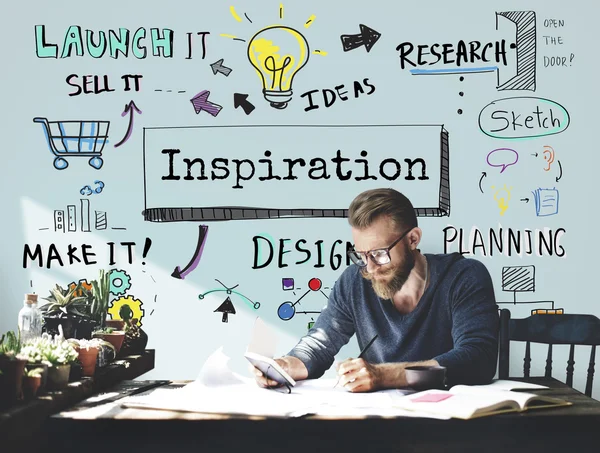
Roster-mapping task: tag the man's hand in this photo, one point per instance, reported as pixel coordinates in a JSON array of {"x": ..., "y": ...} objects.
[
  {"x": 291, "y": 365},
  {"x": 356, "y": 375}
]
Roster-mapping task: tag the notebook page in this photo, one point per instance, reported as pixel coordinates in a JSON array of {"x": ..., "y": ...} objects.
[
  {"x": 460, "y": 405},
  {"x": 505, "y": 384}
]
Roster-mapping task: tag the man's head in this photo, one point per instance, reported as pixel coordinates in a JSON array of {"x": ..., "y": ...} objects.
[{"x": 386, "y": 236}]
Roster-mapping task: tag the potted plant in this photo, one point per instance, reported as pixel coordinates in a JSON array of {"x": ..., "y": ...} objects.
[
  {"x": 32, "y": 380},
  {"x": 32, "y": 351},
  {"x": 60, "y": 354},
  {"x": 12, "y": 366},
  {"x": 88, "y": 354},
  {"x": 135, "y": 340},
  {"x": 100, "y": 297},
  {"x": 115, "y": 337},
  {"x": 65, "y": 307}
]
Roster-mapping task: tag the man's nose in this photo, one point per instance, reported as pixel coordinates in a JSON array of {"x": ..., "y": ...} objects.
[{"x": 371, "y": 266}]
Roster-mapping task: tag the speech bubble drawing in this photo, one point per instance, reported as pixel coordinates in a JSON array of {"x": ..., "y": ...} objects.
[{"x": 502, "y": 157}]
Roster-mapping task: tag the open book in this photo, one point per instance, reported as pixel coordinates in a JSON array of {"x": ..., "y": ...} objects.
[{"x": 466, "y": 402}]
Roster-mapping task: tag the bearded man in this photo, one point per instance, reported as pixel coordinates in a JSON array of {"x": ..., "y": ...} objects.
[{"x": 425, "y": 309}]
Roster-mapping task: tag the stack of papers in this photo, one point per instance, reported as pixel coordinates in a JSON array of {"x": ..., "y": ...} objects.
[{"x": 220, "y": 391}]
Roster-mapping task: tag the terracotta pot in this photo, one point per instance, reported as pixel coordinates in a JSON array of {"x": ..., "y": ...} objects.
[
  {"x": 11, "y": 381},
  {"x": 44, "y": 367},
  {"x": 118, "y": 324},
  {"x": 116, "y": 339},
  {"x": 31, "y": 385},
  {"x": 58, "y": 377},
  {"x": 87, "y": 358}
]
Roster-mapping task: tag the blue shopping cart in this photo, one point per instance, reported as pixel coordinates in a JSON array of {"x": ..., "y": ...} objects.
[{"x": 75, "y": 139}]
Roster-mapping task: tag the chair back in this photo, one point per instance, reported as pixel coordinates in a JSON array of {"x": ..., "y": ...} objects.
[{"x": 571, "y": 329}]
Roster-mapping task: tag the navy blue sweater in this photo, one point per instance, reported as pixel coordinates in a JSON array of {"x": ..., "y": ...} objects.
[{"x": 455, "y": 322}]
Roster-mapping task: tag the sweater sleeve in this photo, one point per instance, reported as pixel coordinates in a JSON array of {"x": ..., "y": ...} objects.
[
  {"x": 475, "y": 326},
  {"x": 333, "y": 329}
]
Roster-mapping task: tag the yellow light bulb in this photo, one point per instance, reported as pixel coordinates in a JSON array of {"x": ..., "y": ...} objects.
[
  {"x": 501, "y": 199},
  {"x": 278, "y": 53}
]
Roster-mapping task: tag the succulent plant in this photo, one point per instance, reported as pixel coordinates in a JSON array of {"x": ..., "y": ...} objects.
[{"x": 63, "y": 302}]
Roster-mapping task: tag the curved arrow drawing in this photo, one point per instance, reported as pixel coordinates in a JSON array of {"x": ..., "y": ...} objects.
[
  {"x": 129, "y": 108},
  {"x": 560, "y": 167},
  {"x": 483, "y": 175},
  {"x": 181, "y": 273},
  {"x": 255, "y": 305}
]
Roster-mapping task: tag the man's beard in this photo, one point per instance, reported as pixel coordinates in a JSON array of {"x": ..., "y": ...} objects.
[{"x": 399, "y": 274}]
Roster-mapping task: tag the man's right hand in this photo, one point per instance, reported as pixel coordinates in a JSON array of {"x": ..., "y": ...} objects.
[{"x": 291, "y": 365}]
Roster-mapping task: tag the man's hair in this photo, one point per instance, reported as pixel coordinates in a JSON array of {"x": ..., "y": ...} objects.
[{"x": 372, "y": 204}]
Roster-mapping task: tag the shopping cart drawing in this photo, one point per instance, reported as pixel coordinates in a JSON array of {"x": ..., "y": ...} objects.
[{"x": 68, "y": 139}]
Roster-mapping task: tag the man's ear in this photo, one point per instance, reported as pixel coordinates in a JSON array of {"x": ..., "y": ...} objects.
[{"x": 414, "y": 238}]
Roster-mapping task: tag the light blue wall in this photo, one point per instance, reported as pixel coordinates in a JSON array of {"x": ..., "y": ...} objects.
[{"x": 184, "y": 329}]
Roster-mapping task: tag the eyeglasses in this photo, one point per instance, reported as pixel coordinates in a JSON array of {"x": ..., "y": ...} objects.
[{"x": 378, "y": 256}]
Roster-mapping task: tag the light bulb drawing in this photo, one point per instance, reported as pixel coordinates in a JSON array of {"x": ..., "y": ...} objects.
[
  {"x": 278, "y": 53},
  {"x": 502, "y": 197}
]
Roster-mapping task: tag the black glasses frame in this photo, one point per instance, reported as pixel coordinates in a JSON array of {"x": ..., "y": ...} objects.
[{"x": 357, "y": 259}]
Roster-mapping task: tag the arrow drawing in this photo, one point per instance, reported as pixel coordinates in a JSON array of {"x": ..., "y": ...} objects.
[
  {"x": 200, "y": 102},
  {"x": 227, "y": 309},
  {"x": 367, "y": 37},
  {"x": 483, "y": 175},
  {"x": 560, "y": 175},
  {"x": 182, "y": 273},
  {"x": 526, "y": 200},
  {"x": 217, "y": 67},
  {"x": 129, "y": 108},
  {"x": 536, "y": 154},
  {"x": 241, "y": 100}
]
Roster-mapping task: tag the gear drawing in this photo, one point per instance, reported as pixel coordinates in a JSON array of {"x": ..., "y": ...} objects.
[
  {"x": 84, "y": 283},
  {"x": 120, "y": 282},
  {"x": 127, "y": 308}
]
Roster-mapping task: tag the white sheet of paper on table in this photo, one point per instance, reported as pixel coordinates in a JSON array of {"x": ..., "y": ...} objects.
[{"x": 219, "y": 390}]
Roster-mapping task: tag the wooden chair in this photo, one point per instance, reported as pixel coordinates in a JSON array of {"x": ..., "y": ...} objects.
[{"x": 571, "y": 329}]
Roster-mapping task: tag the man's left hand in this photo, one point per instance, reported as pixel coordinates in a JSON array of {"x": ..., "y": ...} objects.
[{"x": 356, "y": 375}]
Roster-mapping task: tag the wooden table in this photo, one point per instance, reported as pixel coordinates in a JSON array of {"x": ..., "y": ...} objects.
[
  {"x": 21, "y": 425},
  {"x": 572, "y": 429}
]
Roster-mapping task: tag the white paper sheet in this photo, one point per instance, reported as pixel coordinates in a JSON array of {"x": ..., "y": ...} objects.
[
  {"x": 216, "y": 372},
  {"x": 219, "y": 390},
  {"x": 503, "y": 384}
]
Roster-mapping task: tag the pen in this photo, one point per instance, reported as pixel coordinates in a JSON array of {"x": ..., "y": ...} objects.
[{"x": 364, "y": 350}]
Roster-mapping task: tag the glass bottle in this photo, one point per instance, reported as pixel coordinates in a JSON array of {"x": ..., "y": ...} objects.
[{"x": 30, "y": 318}]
